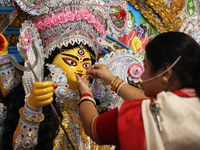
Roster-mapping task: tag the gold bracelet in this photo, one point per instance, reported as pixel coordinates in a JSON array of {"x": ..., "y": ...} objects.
[
  {"x": 111, "y": 84},
  {"x": 115, "y": 83},
  {"x": 29, "y": 119},
  {"x": 114, "y": 80},
  {"x": 119, "y": 87}
]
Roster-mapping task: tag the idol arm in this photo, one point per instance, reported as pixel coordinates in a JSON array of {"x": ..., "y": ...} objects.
[{"x": 26, "y": 133}]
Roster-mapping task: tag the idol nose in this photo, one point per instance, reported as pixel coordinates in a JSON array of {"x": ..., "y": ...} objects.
[{"x": 79, "y": 68}]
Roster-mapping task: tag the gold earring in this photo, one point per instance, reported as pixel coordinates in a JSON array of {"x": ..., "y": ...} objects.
[
  {"x": 140, "y": 86},
  {"x": 164, "y": 80}
]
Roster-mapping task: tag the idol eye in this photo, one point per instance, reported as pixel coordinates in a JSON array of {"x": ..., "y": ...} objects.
[
  {"x": 86, "y": 65},
  {"x": 70, "y": 62}
]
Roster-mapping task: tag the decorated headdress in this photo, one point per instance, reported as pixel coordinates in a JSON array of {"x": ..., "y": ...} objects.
[{"x": 60, "y": 23}]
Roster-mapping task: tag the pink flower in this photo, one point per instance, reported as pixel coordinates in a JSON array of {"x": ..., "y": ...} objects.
[
  {"x": 99, "y": 27},
  {"x": 62, "y": 18},
  {"x": 41, "y": 25},
  {"x": 70, "y": 16},
  {"x": 55, "y": 20},
  {"x": 47, "y": 22},
  {"x": 78, "y": 15},
  {"x": 91, "y": 19},
  {"x": 35, "y": 23},
  {"x": 85, "y": 14},
  {"x": 104, "y": 34},
  {"x": 36, "y": 20}
]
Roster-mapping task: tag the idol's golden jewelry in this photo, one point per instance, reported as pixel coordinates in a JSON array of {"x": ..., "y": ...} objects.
[
  {"x": 71, "y": 104},
  {"x": 83, "y": 134},
  {"x": 177, "y": 5},
  {"x": 167, "y": 15},
  {"x": 116, "y": 46},
  {"x": 158, "y": 14},
  {"x": 27, "y": 133},
  {"x": 67, "y": 114},
  {"x": 30, "y": 119}
]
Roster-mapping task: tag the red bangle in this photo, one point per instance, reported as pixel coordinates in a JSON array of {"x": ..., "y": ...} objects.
[{"x": 86, "y": 94}]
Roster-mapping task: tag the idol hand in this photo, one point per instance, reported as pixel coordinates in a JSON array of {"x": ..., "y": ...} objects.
[
  {"x": 100, "y": 71},
  {"x": 41, "y": 94}
]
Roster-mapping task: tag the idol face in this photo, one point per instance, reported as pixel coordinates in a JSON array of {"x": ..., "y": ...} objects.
[{"x": 74, "y": 61}]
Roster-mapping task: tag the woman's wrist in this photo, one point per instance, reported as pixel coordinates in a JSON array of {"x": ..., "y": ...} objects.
[
  {"x": 86, "y": 94},
  {"x": 116, "y": 84},
  {"x": 111, "y": 79}
]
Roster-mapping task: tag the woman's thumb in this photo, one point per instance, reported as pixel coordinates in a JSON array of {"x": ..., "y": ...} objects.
[{"x": 77, "y": 77}]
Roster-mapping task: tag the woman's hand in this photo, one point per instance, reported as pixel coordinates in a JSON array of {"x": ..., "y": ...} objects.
[
  {"x": 100, "y": 71},
  {"x": 84, "y": 84},
  {"x": 41, "y": 94}
]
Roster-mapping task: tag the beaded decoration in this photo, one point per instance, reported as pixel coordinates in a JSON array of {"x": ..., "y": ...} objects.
[
  {"x": 128, "y": 66},
  {"x": 27, "y": 140},
  {"x": 115, "y": 11},
  {"x": 59, "y": 80},
  {"x": 37, "y": 7},
  {"x": 68, "y": 22},
  {"x": 30, "y": 41},
  {"x": 191, "y": 22},
  {"x": 9, "y": 77},
  {"x": 60, "y": 23},
  {"x": 31, "y": 113}
]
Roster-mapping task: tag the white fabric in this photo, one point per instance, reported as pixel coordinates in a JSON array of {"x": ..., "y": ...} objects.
[{"x": 181, "y": 123}]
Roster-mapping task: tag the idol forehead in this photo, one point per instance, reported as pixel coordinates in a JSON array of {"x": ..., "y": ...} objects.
[{"x": 77, "y": 53}]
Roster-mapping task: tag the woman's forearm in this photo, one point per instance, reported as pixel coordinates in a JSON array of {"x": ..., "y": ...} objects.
[
  {"x": 128, "y": 92},
  {"x": 87, "y": 111}
]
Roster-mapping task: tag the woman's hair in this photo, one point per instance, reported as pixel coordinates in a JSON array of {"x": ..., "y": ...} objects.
[{"x": 167, "y": 47}]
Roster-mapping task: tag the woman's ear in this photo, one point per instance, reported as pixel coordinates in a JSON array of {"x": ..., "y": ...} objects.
[{"x": 168, "y": 71}]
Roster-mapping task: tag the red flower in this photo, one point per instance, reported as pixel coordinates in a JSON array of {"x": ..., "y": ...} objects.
[{"x": 123, "y": 13}]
